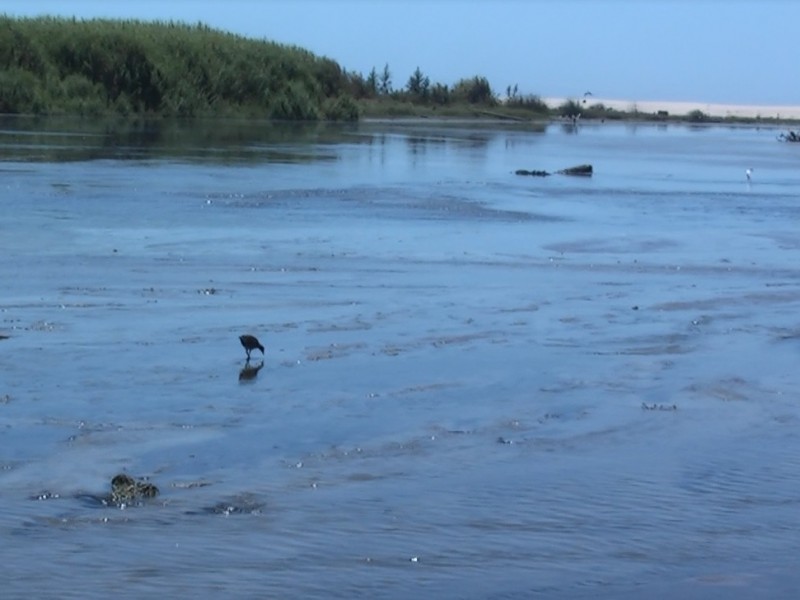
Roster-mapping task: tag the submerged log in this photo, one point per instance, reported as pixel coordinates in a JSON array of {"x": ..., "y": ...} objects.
[{"x": 534, "y": 173}]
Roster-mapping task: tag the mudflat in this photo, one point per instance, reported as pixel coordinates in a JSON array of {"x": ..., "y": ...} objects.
[{"x": 474, "y": 384}]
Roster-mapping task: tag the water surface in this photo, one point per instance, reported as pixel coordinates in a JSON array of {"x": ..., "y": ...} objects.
[{"x": 476, "y": 384}]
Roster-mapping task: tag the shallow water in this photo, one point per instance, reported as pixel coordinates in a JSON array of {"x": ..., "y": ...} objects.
[{"x": 476, "y": 384}]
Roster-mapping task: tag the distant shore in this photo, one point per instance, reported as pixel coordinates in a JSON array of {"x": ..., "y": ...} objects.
[{"x": 675, "y": 108}]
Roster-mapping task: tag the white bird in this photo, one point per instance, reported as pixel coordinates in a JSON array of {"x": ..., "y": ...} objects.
[{"x": 748, "y": 173}]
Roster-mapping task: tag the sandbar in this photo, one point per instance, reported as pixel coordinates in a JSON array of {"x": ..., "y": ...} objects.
[{"x": 744, "y": 111}]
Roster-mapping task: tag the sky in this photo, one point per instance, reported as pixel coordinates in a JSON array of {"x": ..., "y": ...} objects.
[{"x": 715, "y": 51}]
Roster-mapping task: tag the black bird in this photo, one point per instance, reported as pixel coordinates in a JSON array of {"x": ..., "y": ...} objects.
[{"x": 250, "y": 343}]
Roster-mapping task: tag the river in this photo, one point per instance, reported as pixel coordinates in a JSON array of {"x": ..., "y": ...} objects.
[{"x": 475, "y": 385}]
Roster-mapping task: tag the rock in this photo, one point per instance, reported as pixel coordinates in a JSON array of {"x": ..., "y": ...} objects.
[
  {"x": 662, "y": 407},
  {"x": 126, "y": 490}
]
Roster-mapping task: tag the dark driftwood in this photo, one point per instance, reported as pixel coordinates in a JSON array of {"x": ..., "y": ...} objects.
[
  {"x": 582, "y": 170},
  {"x": 792, "y": 136}
]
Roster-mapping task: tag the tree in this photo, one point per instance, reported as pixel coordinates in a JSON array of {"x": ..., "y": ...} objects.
[
  {"x": 475, "y": 91},
  {"x": 372, "y": 83},
  {"x": 356, "y": 85},
  {"x": 440, "y": 94},
  {"x": 418, "y": 85},
  {"x": 512, "y": 93},
  {"x": 385, "y": 83},
  {"x": 330, "y": 76}
]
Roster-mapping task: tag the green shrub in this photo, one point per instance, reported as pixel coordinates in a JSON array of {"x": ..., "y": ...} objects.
[
  {"x": 697, "y": 116},
  {"x": 86, "y": 107},
  {"x": 343, "y": 108},
  {"x": 78, "y": 86},
  {"x": 570, "y": 108},
  {"x": 531, "y": 103},
  {"x": 293, "y": 103},
  {"x": 18, "y": 92}
]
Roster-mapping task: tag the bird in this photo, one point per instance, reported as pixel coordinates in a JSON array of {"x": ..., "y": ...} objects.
[
  {"x": 250, "y": 343},
  {"x": 748, "y": 173}
]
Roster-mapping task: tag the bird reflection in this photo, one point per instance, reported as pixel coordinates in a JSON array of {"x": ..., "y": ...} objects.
[{"x": 249, "y": 372}]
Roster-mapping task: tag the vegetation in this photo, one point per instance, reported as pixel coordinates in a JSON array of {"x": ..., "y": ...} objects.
[
  {"x": 530, "y": 103},
  {"x": 697, "y": 116},
  {"x": 56, "y": 66},
  {"x": 61, "y": 66},
  {"x": 570, "y": 109}
]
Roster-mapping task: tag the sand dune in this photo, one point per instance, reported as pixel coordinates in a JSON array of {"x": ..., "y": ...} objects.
[{"x": 682, "y": 108}]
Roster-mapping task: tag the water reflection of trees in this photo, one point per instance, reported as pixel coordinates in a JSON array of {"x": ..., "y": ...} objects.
[
  {"x": 522, "y": 140},
  {"x": 570, "y": 128},
  {"x": 420, "y": 143},
  {"x": 234, "y": 141},
  {"x": 478, "y": 139},
  {"x": 51, "y": 139},
  {"x": 419, "y": 146}
]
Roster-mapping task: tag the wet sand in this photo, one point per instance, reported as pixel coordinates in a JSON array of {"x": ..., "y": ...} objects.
[{"x": 475, "y": 384}]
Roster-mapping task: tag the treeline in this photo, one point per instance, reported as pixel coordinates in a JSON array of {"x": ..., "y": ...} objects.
[
  {"x": 60, "y": 66},
  {"x": 376, "y": 91},
  {"x": 419, "y": 89}
]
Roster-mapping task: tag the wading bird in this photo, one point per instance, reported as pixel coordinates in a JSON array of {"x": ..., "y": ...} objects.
[{"x": 250, "y": 343}]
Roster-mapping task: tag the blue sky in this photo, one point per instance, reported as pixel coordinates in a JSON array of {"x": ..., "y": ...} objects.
[{"x": 726, "y": 51}]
